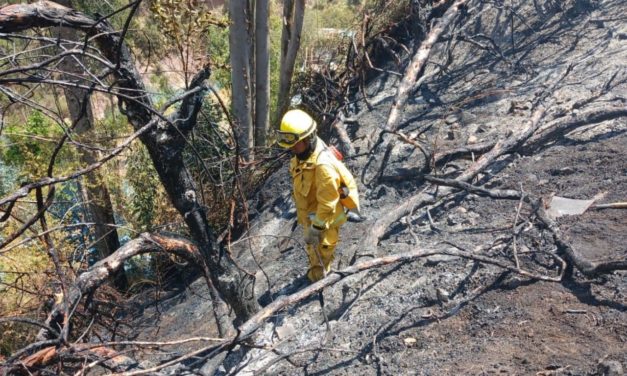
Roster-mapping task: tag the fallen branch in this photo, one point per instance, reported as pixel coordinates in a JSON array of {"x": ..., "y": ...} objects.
[
  {"x": 417, "y": 64},
  {"x": 587, "y": 267},
  {"x": 436, "y": 159},
  {"x": 102, "y": 270},
  {"x": 256, "y": 321},
  {"x": 104, "y": 355},
  {"x": 508, "y": 194},
  {"x": 31, "y": 348},
  {"x": 449, "y": 312},
  {"x": 102, "y": 351},
  {"x": 405, "y": 138},
  {"x": 410, "y": 82},
  {"x": 504, "y": 146},
  {"x": 614, "y": 205},
  {"x": 346, "y": 145},
  {"x": 481, "y": 147},
  {"x": 558, "y": 127},
  {"x": 515, "y": 269},
  {"x": 98, "y": 274}
]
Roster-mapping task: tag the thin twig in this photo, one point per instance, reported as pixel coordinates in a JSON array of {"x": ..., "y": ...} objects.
[{"x": 514, "y": 225}]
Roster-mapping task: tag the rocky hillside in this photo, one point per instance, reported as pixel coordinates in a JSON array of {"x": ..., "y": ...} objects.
[{"x": 462, "y": 265}]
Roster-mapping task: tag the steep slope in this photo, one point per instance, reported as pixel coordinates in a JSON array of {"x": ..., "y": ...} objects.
[{"x": 483, "y": 84}]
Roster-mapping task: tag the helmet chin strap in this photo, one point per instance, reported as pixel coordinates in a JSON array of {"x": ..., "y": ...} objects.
[{"x": 311, "y": 146}]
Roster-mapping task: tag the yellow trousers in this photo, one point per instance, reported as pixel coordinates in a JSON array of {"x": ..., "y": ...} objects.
[{"x": 321, "y": 257}]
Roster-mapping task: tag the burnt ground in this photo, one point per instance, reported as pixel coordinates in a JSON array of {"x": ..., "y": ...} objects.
[{"x": 392, "y": 320}]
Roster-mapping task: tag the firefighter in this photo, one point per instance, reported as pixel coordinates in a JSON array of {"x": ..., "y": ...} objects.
[{"x": 323, "y": 189}]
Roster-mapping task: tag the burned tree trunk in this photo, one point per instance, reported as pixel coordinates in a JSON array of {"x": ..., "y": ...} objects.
[{"x": 95, "y": 194}]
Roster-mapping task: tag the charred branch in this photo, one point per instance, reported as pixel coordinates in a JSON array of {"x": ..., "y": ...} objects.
[
  {"x": 96, "y": 355},
  {"x": 508, "y": 194},
  {"x": 246, "y": 329},
  {"x": 20, "y": 17},
  {"x": 345, "y": 142},
  {"x": 424, "y": 197},
  {"x": 585, "y": 266},
  {"x": 98, "y": 274},
  {"x": 561, "y": 126},
  {"x": 417, "y": 65},
  {"x": 409, "y": 84}
]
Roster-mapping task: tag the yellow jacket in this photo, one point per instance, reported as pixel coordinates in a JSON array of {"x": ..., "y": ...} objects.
[{"x": 317, "y": 181}]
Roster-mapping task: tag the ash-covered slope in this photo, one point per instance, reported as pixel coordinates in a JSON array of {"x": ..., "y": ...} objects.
[{"x": 436, "y": 315}]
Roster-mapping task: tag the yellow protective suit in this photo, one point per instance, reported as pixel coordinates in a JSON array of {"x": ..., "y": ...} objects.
[{"x": 317, "y": 181}]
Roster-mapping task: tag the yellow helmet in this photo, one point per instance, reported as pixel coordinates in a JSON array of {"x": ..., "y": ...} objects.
[{"x": 296, "y": 125}]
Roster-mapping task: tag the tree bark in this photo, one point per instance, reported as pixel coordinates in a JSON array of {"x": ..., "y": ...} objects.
[
  {"x": 94, "y": 191},
  {"x": 239, "y": 48},
  {"x": 262, "y": 71},
  {"x": 293, "y": 15}
]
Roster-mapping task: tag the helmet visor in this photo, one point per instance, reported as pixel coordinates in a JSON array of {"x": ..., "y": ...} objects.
[{"x": 287, "y": 139}]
